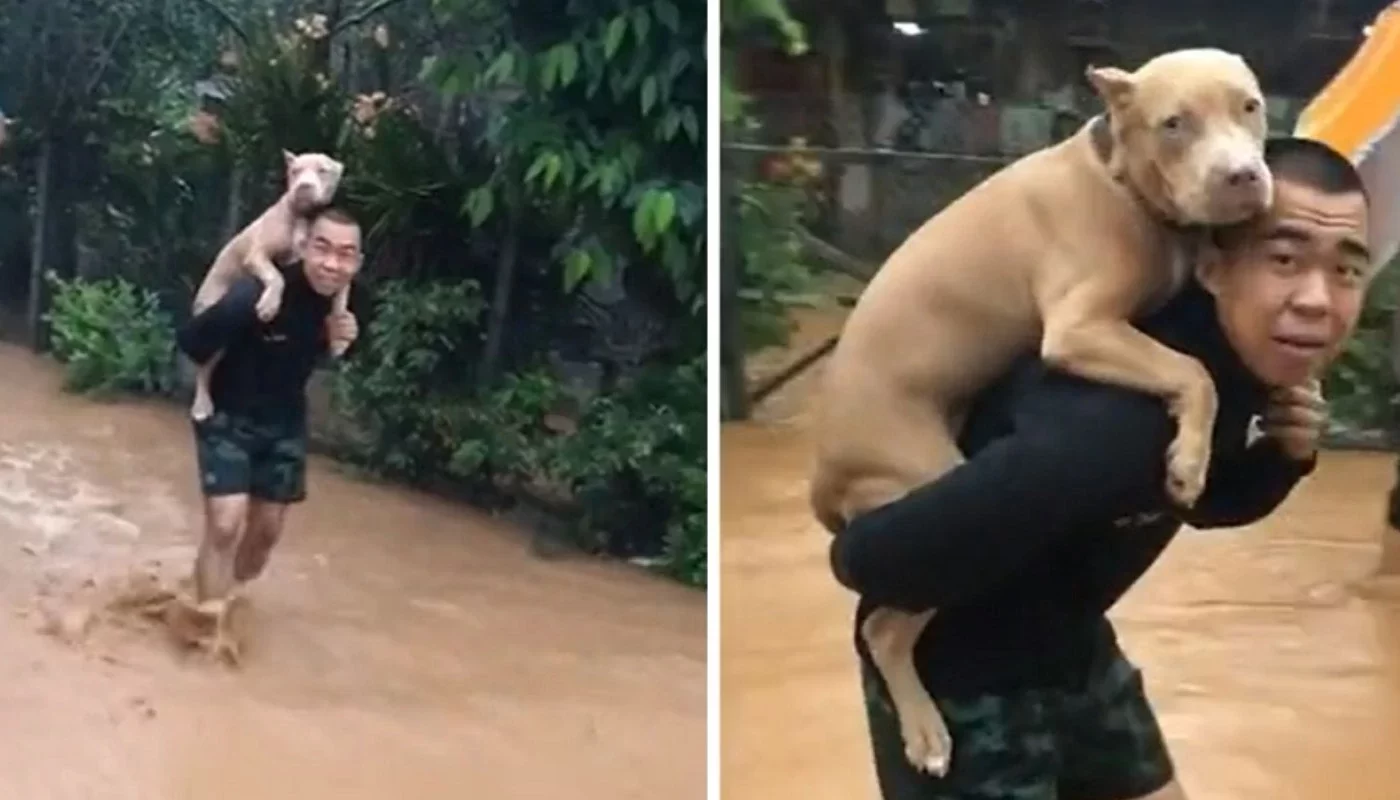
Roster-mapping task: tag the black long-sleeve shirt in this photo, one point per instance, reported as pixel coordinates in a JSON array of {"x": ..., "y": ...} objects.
[
  {"x": 265, "y": 366},
  {"x": 1058, "y": 510}
]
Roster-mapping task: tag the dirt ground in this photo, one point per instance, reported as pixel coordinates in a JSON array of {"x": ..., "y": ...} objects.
[
  {"x": 1273, "y": 664},
  {"x": 399, "y": 646}
]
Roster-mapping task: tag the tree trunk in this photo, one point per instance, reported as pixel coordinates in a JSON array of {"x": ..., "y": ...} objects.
[
  {"x": 734, "y": 400},
  {"x": 500, "y": 300},
  {"x": 233, "y": 212},
  {"x": 55, "y": 232}
]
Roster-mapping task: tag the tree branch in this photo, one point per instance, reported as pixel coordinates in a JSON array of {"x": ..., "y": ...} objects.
[
  {"x": 363, "y": 14},
  {"x": 835, "y": 258},
  {"x": 228, "y": 19},
  {"x": 104, "y": 61}
]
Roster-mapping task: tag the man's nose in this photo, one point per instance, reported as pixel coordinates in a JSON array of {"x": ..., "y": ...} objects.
[{"x": 1313, "y": 293}]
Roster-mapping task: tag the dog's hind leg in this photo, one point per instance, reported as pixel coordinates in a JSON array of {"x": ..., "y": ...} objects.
[
  {"x": 203, "y": 406},
  {"x": 891, "y": 634}
]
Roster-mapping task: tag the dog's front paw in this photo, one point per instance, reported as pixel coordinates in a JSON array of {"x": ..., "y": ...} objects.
[
  {"x": 927, "y": 743},
  {"x": 202, "y": 408},
  {"x": 269, "y": 303},
  {"x": 1188, "y": 462}
]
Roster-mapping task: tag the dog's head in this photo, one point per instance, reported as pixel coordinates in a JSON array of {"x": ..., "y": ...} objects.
[
  {"x": 312, "y": 179},
  {"x": 1188, "y": 133}
]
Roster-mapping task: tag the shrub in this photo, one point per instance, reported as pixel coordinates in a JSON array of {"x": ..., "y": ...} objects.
[{"x": 111, "y": 336}]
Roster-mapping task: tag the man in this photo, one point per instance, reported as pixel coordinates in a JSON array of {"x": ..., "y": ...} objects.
[
  {"x": 252, "y": 450},
  {"x": 1060, "y": 508}
]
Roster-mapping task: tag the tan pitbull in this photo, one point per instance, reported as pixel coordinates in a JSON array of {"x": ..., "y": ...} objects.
[
  {"x": 1056, "y": 251},
  {"x": 278, "y": 233}
]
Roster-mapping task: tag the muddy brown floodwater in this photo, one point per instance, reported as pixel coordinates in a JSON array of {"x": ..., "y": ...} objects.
[
  {"x": 1273, "y": 664},
  {"x": 399, "y": 646}
]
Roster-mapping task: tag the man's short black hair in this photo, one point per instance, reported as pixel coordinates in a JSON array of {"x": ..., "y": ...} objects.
[
  {"x": 1312, "y": 164},
  {"x": 334, "y": 214}
]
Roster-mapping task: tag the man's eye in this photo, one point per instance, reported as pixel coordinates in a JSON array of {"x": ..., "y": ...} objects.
[{"x": 1352, "y": 272}]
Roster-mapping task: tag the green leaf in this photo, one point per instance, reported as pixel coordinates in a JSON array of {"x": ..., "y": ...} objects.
[
  {"x": 451, "y": 83},
  {"x": 602, "y": 267},
  {"x": 568, "y": 64},
  {"x": 664, "y": 211},
  {"x": 641, "y": 23},
  {"x": 549, "y": 68},
  {"x": 642, "y": 221},
  {"x": 669, "y": 125},
  {"x": 648, "y": 94},
  {"x": 577, "y": 265},
  {"x": 667, "y": 14},
  {"x": 551, "y": 170},
  {"x": 537, "y": 167},
  {"x": 690, "y": 123},
  {"x": 479, "y": 204},
  {"x": 426, "y": 73},
  {"x": 612, "y": 38},
  {"x": 503, "y": 68}
]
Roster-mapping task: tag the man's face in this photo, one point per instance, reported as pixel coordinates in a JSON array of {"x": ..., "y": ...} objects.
[
  {"x": 1289, "y": 290},
  {"x": 332, "y": 255}
]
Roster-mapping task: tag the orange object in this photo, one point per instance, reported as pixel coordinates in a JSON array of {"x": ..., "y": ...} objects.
[{"x": 1358, "y": 114}]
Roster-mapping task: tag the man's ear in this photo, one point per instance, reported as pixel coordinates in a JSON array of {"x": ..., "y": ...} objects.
[
  {"x": 1210, "y": 264},
  {"x": 1114, "y": 86}
]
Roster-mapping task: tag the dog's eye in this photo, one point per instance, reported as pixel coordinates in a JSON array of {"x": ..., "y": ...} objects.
[
  {"x": 1173, "y": 123},
  {"x": 1251, "y": 106}
]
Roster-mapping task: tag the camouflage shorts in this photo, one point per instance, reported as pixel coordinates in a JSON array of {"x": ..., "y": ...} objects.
[
  {"x": 239, "y": 456},
  {"x": 1099, "y": 743}
]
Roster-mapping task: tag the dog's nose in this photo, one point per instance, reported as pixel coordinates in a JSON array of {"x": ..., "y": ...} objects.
[{"x": 1242, "y": 176}]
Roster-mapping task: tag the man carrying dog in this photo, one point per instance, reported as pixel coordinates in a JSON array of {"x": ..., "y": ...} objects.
[
  {"x": 1060, "y": 508},
  {"x": 252, "y": 450}
]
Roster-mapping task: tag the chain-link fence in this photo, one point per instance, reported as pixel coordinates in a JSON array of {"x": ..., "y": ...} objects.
[{"x": 856, "y": 204}]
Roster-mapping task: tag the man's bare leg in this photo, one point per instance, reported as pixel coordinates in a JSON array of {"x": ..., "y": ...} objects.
[
  {"x": 265, "y": 520},
  {"x": 225, "y": 521}
]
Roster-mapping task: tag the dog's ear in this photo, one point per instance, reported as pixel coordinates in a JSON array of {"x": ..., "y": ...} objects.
[
  {"x": 288, "y": 157},
  {"x": 1114, "y": 85}
]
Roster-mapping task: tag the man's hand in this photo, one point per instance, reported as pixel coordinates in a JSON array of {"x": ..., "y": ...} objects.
[
  {"x": 1295, "y": 417},
  {"x": 341, "y": 330}
]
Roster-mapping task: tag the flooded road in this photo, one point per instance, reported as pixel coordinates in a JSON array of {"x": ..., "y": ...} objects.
[
  {"x": 1273, "y": 664},
  {"x": 399, "y": 646}
]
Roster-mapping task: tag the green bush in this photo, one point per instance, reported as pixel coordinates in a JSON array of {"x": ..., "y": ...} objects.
[
  {"x": 1361, "y": 388},
  {"x": 111, "y": 336},
  {"x": 773, "y": 267},
  {"x": 409, "y": 369},
  {"x": 637, "y": 464},
  {"x": 632, "y": 464}
]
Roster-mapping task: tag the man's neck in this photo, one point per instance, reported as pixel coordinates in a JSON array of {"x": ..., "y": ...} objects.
[{"x": 1189, "y": 323}]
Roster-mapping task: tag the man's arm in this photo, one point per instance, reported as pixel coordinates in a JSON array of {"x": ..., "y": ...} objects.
[
  {"x": 1080, "y": 452},
  {"x": 1247, "y": 487},
  {"x": 217, "y": 326}
]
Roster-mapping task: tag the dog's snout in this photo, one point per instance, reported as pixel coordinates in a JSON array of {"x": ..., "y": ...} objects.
[{"x": 1240, "y": 177}]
